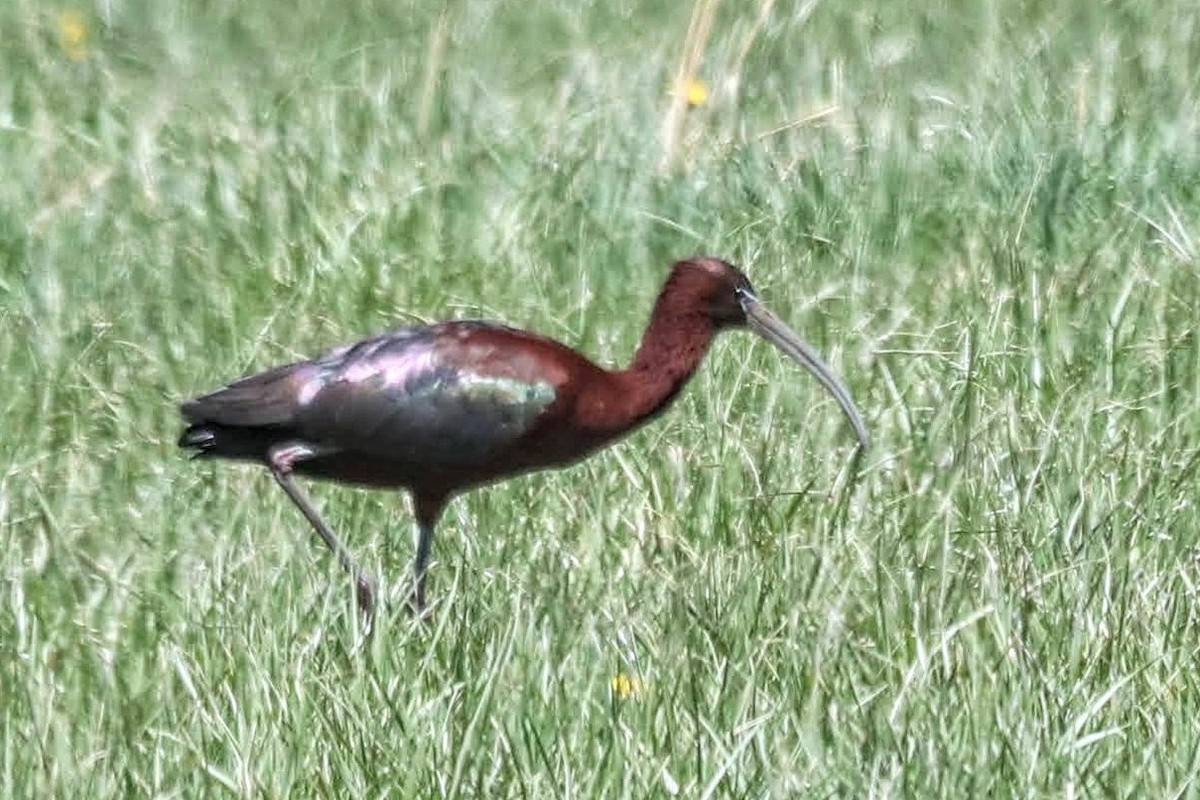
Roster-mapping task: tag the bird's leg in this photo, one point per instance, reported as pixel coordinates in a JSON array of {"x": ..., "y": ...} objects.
[
  {"x": 281, "y": 459},
  {"x": 428, "y": 509}
]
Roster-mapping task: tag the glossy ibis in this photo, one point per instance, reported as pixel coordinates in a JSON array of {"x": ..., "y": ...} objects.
[{"x": 439, "y": 409}]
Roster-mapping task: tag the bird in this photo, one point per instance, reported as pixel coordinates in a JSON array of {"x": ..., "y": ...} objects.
[{"x": 443, "y": 408}]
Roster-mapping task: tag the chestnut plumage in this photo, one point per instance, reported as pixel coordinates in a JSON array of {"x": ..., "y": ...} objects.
[{"x": 442, "y": 408}]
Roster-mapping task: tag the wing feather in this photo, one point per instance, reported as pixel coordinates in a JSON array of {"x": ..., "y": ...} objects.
[
  {"x": 435, "y": 395},
  {"x": 413, "y": 402},
  {"x": 265, "y": 399}
]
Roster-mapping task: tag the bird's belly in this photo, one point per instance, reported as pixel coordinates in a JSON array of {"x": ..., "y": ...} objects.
[
  {"x": 371, "y": 471},
  {"x": 427, "y": 475}
]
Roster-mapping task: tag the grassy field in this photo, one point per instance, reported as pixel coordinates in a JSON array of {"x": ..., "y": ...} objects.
[{"x": 986, "y": 215}]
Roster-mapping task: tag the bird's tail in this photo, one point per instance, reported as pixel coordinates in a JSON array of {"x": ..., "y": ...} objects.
[
  {"x": 242, "y": 420},
  {"x": 210, "y": 440}
]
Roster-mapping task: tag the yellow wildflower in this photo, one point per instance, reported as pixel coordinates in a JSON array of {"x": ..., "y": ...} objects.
[
  {"x": 73, "y": 34},
  {"x": 695, "y": 92},
  {"x": 626, "y": 686}
]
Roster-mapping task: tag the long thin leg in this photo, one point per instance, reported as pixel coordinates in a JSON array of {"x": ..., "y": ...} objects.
[
  {"x": 281, "y": 459},
  {"x": 428, "y": 508}
]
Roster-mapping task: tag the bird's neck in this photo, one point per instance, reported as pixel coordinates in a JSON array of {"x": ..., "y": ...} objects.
[{"x": 675, "y": 341}]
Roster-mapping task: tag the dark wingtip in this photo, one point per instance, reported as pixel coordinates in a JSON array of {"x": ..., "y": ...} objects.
[{"x": 200, "y": 437}]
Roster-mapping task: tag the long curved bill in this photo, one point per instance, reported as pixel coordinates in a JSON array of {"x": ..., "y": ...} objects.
[{"x": 763, "y": 322}]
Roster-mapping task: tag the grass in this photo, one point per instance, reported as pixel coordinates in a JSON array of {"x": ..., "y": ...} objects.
[{"x": 986, "y": 214}]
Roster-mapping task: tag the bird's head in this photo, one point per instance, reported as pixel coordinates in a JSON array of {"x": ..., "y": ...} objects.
[
  {"x": 717, "y": 287},
  {"x": 729, "y": 300}
]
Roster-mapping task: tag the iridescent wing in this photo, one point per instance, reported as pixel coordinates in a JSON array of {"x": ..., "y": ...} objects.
[{"x": 437, "y": 394}]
